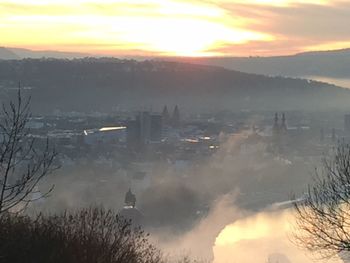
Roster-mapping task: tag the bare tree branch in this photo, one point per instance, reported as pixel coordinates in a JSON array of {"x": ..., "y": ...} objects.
[
  {"x": 22, "y": 164},
  {"x": 323, "y": 217}
]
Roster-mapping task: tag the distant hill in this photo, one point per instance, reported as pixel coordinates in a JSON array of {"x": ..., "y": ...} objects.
[
  {"x": 102, "y": 84},
  {"x": 327, "y": 64},
  {"x": 20, "y": 53},
  {"x": 333, "y": 64},
  {"x": 7, "y": 54}
]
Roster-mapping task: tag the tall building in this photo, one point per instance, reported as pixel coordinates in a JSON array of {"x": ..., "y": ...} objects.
[
  {"x": 133, "y": 133},
  {"x": 156, "y": 128},
  {"x": 145, "y": 128}
]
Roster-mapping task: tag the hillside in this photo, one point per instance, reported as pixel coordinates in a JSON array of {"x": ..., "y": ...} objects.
[
  {"x": 328, "y": 64},
  {"x": 333, "y": 64},
  {"x": 102, "y": 84}
]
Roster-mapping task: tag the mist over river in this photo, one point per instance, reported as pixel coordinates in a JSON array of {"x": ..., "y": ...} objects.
[{"x": 341, "y": 82}]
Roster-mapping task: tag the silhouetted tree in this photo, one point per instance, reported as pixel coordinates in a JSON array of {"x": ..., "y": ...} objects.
[
  {"x": 87, "y": 236},
  {"x": 22, "y": 163},
  {"x": 323, "y": 217}
]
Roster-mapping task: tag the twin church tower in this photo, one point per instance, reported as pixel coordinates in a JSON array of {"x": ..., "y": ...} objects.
[
  {"x": 279, "y": 129},
  {"x": 279, "y": 134}
]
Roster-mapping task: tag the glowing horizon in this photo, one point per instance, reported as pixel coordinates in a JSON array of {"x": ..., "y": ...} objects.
[{"x": 171, "y": 27}]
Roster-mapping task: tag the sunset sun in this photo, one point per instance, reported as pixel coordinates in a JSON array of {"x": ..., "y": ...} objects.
[{"x": 171, "y": 28}]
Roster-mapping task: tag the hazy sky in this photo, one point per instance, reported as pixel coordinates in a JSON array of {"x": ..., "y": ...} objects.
[{"x": 176, "y": 27}]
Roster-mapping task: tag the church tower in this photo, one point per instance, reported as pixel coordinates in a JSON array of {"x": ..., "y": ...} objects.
[
  {"x": 165, "y": 115},
  {"x": 275, "y": 127},
  {"x": 130, "y": 199},
  {"x": 129, "y": 211},
  {"x": 279, "y": 134},
  {"x": 176, "y": 117}
]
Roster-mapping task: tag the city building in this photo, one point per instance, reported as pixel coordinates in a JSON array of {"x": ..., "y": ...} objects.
[
  {"x": 133, "y": 134},
  {"x": 156, "y": 128},
  {"x": 105, "y": 135},
  {"x": 146, "y": 128}
]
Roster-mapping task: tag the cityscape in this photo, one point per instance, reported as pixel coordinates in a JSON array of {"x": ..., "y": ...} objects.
[{"x": 172, "y": 131}]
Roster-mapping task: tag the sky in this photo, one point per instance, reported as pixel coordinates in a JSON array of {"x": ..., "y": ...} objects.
[{"x": 176, "y": 27}]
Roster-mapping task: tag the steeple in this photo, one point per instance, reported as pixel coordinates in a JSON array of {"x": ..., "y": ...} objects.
[
  {"x": 130, "y": 199},
  {"x": 165, "y": 115},
  {"x": 176, "y": 117}
]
